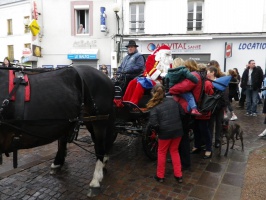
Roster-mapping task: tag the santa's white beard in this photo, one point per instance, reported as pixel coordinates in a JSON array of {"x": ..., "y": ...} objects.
[{"x": 164, "y": 64}]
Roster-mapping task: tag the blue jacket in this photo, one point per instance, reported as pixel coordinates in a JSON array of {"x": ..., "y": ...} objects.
[{"x": 132, "y": 64}]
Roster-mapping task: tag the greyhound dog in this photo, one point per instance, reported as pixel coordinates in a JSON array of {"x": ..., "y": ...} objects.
[{"x": 231, "y": 130}]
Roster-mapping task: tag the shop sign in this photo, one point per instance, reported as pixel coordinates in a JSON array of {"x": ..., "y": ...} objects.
[
  {"x": 251, "y": 46},
  {"x": 34, "y": 27},
  {"x": 37, "y": 50},
  {"x": 81, "y": 56},
  {"x": 176, "y": 46},
  {"x": 26, "y": 52}
]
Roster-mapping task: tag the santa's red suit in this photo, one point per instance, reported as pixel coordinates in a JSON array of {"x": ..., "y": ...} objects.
[{"x": 157, "y": 65}]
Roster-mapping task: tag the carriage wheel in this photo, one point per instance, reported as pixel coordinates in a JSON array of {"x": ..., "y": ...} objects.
[
  {"x": 115, "y": 133},
  {"x": 150, "y": 143}
]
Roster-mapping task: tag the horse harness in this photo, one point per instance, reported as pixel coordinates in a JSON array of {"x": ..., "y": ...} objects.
[{"x": 19, "y": 105}]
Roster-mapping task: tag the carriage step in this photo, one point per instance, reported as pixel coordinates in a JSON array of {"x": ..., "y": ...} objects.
[{"x": 129, "y": 128}]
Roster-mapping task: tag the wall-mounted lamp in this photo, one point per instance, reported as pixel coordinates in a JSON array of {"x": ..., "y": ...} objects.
[{"x": 116, "y": 9}]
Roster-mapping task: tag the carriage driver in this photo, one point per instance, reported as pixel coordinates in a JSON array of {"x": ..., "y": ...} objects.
[
  {"x": 133, "y": 64},
  {"x": 157, "y": 65}
]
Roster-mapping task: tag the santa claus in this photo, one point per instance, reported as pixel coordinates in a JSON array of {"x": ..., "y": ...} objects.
[{"x": 157, "y": 65}]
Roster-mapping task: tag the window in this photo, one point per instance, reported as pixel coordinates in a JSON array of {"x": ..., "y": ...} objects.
[
  {"x": 136, "y": 23},
  {"x": 9, "y": 27},
  {"x": 194, "y": 17},
  {"x": 26, "y": 23},
  {"x": 10, "y": 50},
  {"x": 27, "y": 45},
  {"x": 82, "y": 19}
]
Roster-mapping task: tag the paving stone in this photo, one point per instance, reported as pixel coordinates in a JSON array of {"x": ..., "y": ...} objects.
[
  {"x": 233, "y": 179},
  {"x": 202, "y": 192},
  {"x": 227, "y": 192}
]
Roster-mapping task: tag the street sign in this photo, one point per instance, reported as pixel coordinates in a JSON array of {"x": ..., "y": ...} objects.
[{"x": 228, "y": 50}]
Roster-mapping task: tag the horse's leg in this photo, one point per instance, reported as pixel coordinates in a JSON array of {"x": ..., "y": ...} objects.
[
  {"x": 60, "y": 155},
  {"x": 99, "y": 134}
]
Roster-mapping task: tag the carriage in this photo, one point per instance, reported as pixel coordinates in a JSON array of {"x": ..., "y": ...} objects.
[{"x": 132, "y": 120}]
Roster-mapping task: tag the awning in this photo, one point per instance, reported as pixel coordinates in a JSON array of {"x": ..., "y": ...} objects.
[
  {"x": 83, "y": 54},
  {"x": 29, "y": 59}
]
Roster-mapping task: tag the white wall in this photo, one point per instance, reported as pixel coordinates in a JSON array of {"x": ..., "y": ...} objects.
[
  {"x": 16, "y": 12},
  {"x": 57, "y": 40},
  {"x": 233, "y": 16}
]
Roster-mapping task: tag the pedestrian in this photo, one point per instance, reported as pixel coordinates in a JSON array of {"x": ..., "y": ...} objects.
[
  {"x": 6, "y": 62},
  {"x": 165, "y": 117},
  {"x": 251, "y": 81},
  {"x": 219, "y": 112},
  {"x": 188, "y": 121},
  {"x": 177, "y": 74},
  {"x": 104, "y": 69},
  {"x": 202, "y": 132}
]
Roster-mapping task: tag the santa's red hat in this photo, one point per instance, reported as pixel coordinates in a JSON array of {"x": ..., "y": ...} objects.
[{"x": 160, "y": 51}]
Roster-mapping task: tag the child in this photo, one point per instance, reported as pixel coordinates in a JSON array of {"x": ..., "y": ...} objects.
[
  {"x": 177, "y": 74},
  {"x": 165, "y": 115}
]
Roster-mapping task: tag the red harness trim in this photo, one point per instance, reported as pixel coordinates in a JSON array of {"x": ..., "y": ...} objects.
[{"x": 11, "y": 86}]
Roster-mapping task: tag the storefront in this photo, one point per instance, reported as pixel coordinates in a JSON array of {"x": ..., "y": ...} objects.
[
  {"x": 204, "y": 49},
  {"x": 87, "y": 57}
]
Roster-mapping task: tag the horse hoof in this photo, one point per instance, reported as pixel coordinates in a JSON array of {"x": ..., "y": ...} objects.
[
  {"x": 94, "y": 191},
  {"x": 54, "y": 169}
]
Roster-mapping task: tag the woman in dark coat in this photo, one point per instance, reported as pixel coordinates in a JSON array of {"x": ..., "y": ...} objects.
[{"x": 165, "y": 115}]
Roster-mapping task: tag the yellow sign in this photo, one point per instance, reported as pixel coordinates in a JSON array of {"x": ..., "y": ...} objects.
[{"x": 34, "y": 27}]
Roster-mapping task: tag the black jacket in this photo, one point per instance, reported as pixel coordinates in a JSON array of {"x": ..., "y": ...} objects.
[
  {"x": 256, "y": 77},
  {"x": 167, "y": 115}
]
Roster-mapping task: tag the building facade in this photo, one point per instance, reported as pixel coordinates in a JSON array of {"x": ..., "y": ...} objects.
[{"x": 94, "y": 32}]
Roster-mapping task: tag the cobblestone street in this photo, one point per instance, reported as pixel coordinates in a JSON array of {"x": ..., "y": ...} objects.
[{"x": 129, "y": 172}]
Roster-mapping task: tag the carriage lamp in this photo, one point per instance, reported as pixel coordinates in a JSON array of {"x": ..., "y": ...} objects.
[{"x": 116, "y": 9}]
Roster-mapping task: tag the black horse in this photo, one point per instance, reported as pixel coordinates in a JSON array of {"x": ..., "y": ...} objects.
[{"x": 59, "y": 101}]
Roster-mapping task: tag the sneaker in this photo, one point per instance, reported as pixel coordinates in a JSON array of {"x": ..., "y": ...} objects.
[
  {"x": 254, "y": 114},
  {"x": 234, "y": 117},
  {"x": 263, "y": 133},
  {"x": 248, "y": 114},
  {"x": 195, "y": 112}
]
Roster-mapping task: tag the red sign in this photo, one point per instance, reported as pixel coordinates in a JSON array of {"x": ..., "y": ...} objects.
[
  {"x": 26, "y": 52},
  {"x": 228, "y": 50}
]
